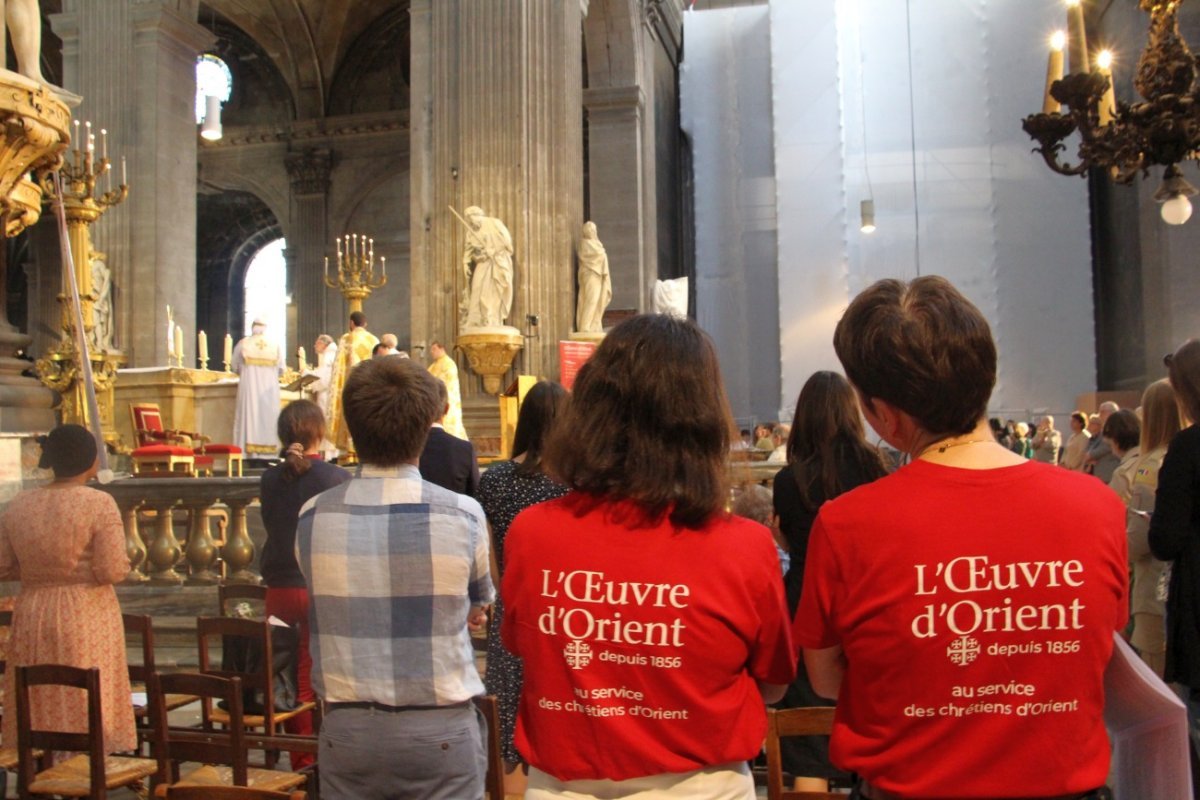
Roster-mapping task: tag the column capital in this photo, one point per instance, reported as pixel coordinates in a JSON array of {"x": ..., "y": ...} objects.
[
  {"x": 602, "y": 99},
  {"x": 309, "y": 171}
]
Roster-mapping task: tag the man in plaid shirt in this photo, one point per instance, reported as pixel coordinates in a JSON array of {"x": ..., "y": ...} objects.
[{"x": 397, "y": 568}]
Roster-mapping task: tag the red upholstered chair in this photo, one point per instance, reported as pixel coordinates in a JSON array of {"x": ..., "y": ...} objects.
[{"x": 158, "y": 447}]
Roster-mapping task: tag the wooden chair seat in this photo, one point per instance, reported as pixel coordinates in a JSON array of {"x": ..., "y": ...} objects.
[
  {"x": 71, "y": 778},
  {"x": 173, "y": 702},
  {"x": 221, "y": 716},
  {"x": 782, "y": 723},
  {"x": 227, "y": 793},
  {"x": 268, "y": 779},
  {"x": 8, "y": 758}
]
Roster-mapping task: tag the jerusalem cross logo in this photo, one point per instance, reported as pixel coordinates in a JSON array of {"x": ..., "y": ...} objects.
[
  {"x": 577, "y": 654},
  {"x": 963, "y": 650}
]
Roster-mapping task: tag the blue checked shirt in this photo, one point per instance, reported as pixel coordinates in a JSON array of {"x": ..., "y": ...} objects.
[{"x": 393, "y": 564}]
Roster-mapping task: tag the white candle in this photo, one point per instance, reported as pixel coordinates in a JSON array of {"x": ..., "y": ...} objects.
[
  {"x": 202, "y": 347},
  {"x": 301, "y": 359},
  {"x": 124, "y": 182},
  {"x": 179, "y": 342},
  {"x": 228, "y": 350},
  {"x": 383, "y": 263},
  {"x": 326, "y": 267},
  {"x": 91, "y": 139},
  {"x": 1108, "y": 101},
  {"x": 1077, "y": 38},
  {"x": 104, "y": 143}
]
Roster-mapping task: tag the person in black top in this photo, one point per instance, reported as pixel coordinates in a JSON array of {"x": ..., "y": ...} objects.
[
  {"x": 448, "y": 460},
  {"x": 286, "y": 488},
  {"x": 827, "y": 455},
  {"x": 1175, "y": 536}
]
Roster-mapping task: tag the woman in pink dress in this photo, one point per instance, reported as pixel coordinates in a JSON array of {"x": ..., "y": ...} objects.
[{"x": 64, "y": 542}]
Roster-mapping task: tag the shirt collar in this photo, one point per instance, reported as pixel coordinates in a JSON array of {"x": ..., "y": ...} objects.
[{"x": 401, "y": 471}]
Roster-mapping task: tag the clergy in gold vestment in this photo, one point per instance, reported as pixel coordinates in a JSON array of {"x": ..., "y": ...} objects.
[
  {"x": 258, "y": 362},
  {"x": 354, "y": 347},
  {"x": 444, "y": 369}
]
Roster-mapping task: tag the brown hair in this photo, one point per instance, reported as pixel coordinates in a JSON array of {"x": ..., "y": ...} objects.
[
  {"x": 1123, "y": 428},
  {"x": 1160, "y": 416},
  {"x": 923, "y": 348},
  {"x": 1081, "y": 418},
  {"x": 544, "y": 401},
  {"x": 648, "y": 422},
  {"x": 826, "y": 432},
  {"x": 1183, "y": 368},
  {"x": 358, "y": 318},
  {"x": 390, "y": 403},
  {"x": 302, "y": 422}
]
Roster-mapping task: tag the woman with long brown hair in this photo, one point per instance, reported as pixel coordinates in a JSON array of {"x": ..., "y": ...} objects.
[
  {"x": 286, "y": 487},
  {"x": 827, "y": 455},
  {"x": 652, "y": 625}
]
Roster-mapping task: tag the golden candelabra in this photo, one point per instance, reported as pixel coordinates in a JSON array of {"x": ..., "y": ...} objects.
[
  {"x": 356, "y": 276},
  {"x": 83, "y": 204}
]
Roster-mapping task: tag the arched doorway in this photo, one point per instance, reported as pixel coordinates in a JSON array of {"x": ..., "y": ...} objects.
[{"x": 265, "y": 292}]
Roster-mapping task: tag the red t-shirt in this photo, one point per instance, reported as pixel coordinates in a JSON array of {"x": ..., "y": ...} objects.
[
  {"x": 976, "y": 609},
  {"x": 641, "y": 645}
]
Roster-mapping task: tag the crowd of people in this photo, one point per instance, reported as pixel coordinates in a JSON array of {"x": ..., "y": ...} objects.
[{"x": 640, "y": 629}]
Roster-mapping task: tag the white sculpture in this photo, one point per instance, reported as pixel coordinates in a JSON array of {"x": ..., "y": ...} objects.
[
  {"x": 102, "y": 306},
  {"x": 671, "y": 297},
  {"x": 488, "y": 266},
  {"x": 24, "y": 22},
  {"x": 595, "y": 284}
]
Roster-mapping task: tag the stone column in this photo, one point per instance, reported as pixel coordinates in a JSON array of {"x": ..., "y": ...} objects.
[
  {"x": 133, "y": 61},
  {"x": 309, "y": 173},
  {"x": 617, "y": 188},
  {"x": 496, "y": 94}
]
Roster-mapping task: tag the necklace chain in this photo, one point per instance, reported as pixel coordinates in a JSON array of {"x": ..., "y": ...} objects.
[{"x": 945, "y": 445}]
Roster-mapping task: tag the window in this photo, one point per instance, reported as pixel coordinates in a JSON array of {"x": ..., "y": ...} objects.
[{"x": 266, "y": 292}]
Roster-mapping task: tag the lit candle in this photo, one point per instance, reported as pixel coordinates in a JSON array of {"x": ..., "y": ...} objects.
[
  {"x": 104, "y": 143},
  {"x": 179, "y": 343},
  {"x": 91, "y": 140},
  {"x": 326, "y": 267},
  {"x": 1054, "y": 71},
  {"x": 1108, "y": 101},
  {"x": 339, "y": 246},
  {"x": 202, "y": 347},
  {"x": 383, "y": 264},
  {"x": 228, "y": 350},
  {"x": 1077, "y": 38},
  {"x": 76, "y": 134},
  {"x": 124, "y": 182},
  {"x": 302, "y": 354}
]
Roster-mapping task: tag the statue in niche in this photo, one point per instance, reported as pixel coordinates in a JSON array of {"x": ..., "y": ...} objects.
[
  {"x": 102, "y": 307},
  {"x": 595, "y": 285},
  {"x": 24, "y": 22},
  {"x": 488, "y": 266}
]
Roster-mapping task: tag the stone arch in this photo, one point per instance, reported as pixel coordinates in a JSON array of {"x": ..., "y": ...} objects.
[
  {"x": 238, "y": 225},
  {"x": 612, "y": 36},
  {"x": 374, "y": 76},
  {"x": 261, "y": 95}
]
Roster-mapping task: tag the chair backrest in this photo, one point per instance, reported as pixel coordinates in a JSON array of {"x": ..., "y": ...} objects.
[
  {"x": 494, "y": 780},
  {"x": 781, "y": 723},
  {"x": 259, "y": 634},
  {"x": 139, "y": 625},
  {"x": 207, "y": 745},
  {"x": 229, "y": 592},
  {"x": 29, "y": 738},
  {"x": 228, "y": 793},
  {"x": 146, "y": 417}
]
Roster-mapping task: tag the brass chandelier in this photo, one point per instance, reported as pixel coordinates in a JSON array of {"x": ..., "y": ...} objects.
[{"x": 1124, "y": 139}]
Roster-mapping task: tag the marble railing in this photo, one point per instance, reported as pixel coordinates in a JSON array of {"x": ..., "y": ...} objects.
[{"x": 157, "y": 553}]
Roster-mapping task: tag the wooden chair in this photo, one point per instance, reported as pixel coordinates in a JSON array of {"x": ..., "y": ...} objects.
[
  {"x": 90, "y": 775},
  {"x": 494, "y": 780},
  {"x": 140, "y": 627},
  {"x": 221, "y": 753},
  {"x": 271, "y": 721},
  {"x": 229, "y": 592},
  {"x": 813, "y": 721},
  {"x": 228, "y": 793},
  {"x": 159, "y": 447}
]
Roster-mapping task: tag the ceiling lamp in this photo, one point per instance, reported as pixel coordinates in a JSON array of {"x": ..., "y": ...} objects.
[
  {"x": 1124, "y": 139},
  {"x": 214, "y": 85}
]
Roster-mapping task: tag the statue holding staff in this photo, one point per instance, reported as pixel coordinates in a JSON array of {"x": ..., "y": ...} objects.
[{"x": 488, "y": 267}]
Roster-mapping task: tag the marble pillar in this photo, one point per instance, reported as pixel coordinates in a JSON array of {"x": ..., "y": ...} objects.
[
  {"x": 497, "y": 123},
  {"x": 307, "y": 246},
  {"x": 133, "y": 61}
]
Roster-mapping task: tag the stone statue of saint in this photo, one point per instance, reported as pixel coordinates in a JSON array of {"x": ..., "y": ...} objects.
[
  {"x": 488, "y": 266},
  {"x": 24, "y": 22},
  {"x": 102, "y": 306},
  {"x": 595, "y": 285}
]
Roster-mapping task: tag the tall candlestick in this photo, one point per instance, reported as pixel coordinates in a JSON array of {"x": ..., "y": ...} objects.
[
  {"x": 1077, "y": 38},
  {"x": 179, "y": 344},
  {"x": 1054, "y": 71},
  {"x": 202, "y": 349},
  {"x": 228, "y": 355},
  {"x": 1108, "y": 101}
]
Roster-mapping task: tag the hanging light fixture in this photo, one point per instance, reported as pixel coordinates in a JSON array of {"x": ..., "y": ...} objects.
[
  {"x": 214, "y": 85},
  {"x": 1124, "y": 139},
  {"x": 866, "y": 210}
]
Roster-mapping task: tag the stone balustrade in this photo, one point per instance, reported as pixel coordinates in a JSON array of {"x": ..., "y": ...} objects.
[{"x": 156, "y": 554}]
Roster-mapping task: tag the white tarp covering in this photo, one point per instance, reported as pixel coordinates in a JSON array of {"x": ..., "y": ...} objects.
[{"x": 957, "y": 191}]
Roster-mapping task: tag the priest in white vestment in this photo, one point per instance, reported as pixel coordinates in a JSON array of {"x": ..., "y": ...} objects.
[
  {"x": 326, "y": 350},
  {"x": 258, "y": 363}
]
